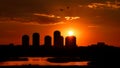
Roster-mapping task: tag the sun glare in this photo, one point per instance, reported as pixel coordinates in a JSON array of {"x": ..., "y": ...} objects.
[{"x": 70, "y": 33}]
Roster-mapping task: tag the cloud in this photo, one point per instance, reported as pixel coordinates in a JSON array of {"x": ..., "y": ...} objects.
[
  {"x": 104, "y": 5},
  {"x": 46, "y": 15},
  {"x": 31, "y": 19},
  {"x": 48, "y": 11},
  {"x": 37, "y": 18},
  {"x": 71, "y": 18}
]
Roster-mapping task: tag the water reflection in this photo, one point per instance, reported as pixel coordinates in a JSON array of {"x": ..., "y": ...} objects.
[{"x": 42, "y": 61}]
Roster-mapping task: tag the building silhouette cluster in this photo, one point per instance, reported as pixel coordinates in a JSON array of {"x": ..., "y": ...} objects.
[{"x": 58, "y": 41}]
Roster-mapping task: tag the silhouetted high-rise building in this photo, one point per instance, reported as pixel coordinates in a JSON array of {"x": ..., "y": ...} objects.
[
  {"x": 56, "y": 38},
  {"x": 47, "y": 41},
  {"x": 36, "y": 39},
  {"x": 70, "y": 41},
  {"x": 25, "y": 40},
  {"x": 61, "y": 42}
]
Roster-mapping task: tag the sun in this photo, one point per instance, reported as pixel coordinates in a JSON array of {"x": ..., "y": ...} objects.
[{"x": 70, "y": 33}]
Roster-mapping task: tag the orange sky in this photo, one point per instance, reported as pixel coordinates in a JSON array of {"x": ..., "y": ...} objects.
[{"x": 90, "y": 21}]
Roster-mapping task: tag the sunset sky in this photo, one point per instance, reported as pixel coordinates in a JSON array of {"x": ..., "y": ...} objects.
[{"x": 91, "y": 21}]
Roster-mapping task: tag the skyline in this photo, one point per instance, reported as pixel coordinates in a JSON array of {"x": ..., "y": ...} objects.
[
  {"x": 91, "y": 21},
  {"x": 58, "y": 40}
]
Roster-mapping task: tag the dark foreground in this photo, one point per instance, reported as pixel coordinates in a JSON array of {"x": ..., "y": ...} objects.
[
  {"x": 29, "y": 66},
  {"x": 47, "y": 67},
  {"x": 100, "y": 55}
]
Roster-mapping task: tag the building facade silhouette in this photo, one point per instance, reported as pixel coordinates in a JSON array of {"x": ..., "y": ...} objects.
[
  {"x": 25, "y": 41},
  {"x": 61, "y": 41},
  {"x": 70, "y": 41},
  {"x": 58, "y": 39},
  {"x": 36, "y": 39},
  {"x": 47, "y": 41}
]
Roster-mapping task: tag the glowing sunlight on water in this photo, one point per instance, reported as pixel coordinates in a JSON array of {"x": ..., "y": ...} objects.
[{"x": 41, "y": 61}]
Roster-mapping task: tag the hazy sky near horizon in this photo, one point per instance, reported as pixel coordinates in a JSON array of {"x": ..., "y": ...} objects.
[{"x": 91, "y": 20}]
